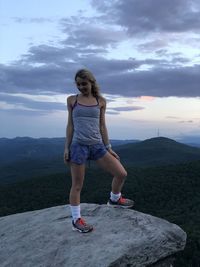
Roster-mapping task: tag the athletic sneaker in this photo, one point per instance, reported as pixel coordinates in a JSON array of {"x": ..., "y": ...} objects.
[
  {"x": 81, "y": 226},
  {"x": 122, "y": 202}
]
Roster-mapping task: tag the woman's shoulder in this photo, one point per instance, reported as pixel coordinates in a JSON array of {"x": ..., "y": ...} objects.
[
  {"x": 102, "y": 100},
  {"x": 71, "y": 99}
]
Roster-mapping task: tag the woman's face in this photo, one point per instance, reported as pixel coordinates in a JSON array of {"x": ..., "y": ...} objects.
[{"x": 84, "y": 86}]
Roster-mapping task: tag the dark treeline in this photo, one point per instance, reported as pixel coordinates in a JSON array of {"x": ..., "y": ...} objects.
[{"x": 170, "y": 192}]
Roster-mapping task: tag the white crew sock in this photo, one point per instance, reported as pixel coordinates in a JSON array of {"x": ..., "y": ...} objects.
[
  {"x": 115, "y": 197},
  {"x": 76, "y": 212}
]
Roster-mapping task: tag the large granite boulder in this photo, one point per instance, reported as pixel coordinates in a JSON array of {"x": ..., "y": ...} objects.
[{"x": 120, "y": 238}]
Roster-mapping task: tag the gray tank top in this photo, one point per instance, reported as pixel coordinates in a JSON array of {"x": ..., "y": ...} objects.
[{"x": 86, "y": 121}]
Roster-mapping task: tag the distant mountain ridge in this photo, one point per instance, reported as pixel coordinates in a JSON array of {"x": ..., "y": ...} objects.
[
  {"x": 158, "y": 151},
  {"x": 24, "y": 148},
  {"x": 25, "y": 157}
]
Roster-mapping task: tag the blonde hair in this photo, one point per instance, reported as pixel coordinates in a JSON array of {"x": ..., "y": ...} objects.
[{"x": 86, "y": 74}]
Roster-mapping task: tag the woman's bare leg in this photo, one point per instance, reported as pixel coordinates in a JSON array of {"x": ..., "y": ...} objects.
[
  {"x": 114, "y": 167},
  {"x": 77, "y": 173}
]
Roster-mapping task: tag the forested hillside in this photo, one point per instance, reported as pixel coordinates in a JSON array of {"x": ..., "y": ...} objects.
[
  {"x": 163, "y": 179},
  {"x": 170, "y": 192},
  {"x": 25, "y": 158}
]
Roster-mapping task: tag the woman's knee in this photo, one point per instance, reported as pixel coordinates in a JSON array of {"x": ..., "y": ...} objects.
[
  {"x": 77, "y": 184},
  {"x": 122, "y": 174},
  {"x": 77, "y": 187},
  {"x": 125, "y": 174}
]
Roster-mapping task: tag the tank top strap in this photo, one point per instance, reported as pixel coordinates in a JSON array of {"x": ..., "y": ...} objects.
[
  {"x": 76, "y": 100},
  {"x": 97, "y": 98}
]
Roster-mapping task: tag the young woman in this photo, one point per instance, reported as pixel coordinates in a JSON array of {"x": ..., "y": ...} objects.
[{"x": 87, "y": 138}]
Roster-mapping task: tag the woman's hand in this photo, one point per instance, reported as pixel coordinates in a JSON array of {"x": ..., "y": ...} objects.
[
  {"x": 113, "y": 153},
  {"x": 66, "y": 156}
]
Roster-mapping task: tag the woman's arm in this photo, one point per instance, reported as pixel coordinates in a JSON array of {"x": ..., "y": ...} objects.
[
  {"x": 69, "y": 129},
  {"x": 103, "y": 128}
]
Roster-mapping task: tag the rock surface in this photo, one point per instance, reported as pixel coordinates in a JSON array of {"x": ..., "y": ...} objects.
[{"x": 120, "y": 238}]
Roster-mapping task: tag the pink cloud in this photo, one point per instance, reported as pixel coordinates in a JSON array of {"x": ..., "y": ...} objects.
[{"x": 147, "y": 98}]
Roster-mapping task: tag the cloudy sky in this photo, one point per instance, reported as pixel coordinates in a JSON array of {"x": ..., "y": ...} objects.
[{"x": 145, "y": 56}]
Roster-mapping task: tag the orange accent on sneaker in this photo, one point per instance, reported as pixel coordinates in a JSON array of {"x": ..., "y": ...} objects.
[
  {"x": 81, "y": 221},
  {"x": 81, "y": 226},
  {"x": 122, "y": 200}
]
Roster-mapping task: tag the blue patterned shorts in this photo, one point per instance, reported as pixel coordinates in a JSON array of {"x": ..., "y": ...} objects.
[{"x": 79, "y": 153}]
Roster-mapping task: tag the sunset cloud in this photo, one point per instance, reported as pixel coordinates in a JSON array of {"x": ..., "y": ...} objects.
[{"x": 142, "y": 53}]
